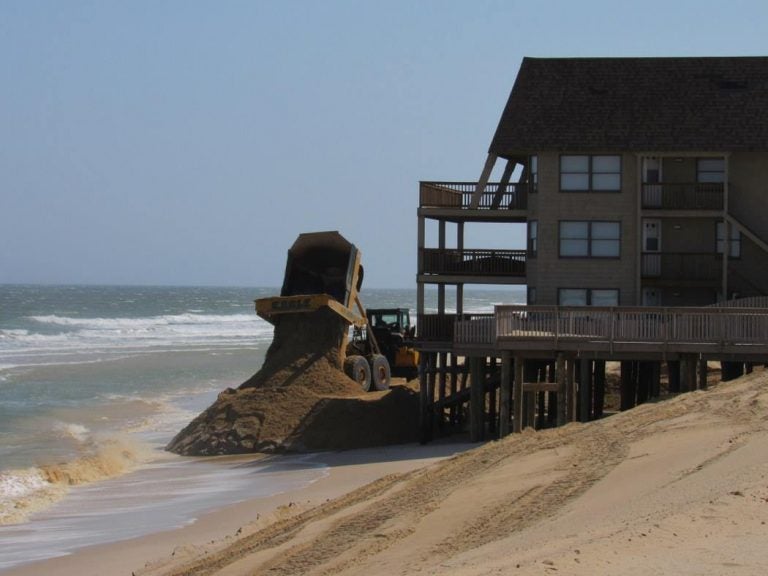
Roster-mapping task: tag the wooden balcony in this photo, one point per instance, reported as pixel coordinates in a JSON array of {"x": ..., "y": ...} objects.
[
  {"x": 509, "y": 263},
  {"x": 501, "y": 202},
  {"x": 681, "y": 267},
  {"x": 683, "y": 196}
]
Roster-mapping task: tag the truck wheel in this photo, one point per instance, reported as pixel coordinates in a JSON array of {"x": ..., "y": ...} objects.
[
  {"x": 356, "y": 367},
  {"x": 380, "y": 372}
]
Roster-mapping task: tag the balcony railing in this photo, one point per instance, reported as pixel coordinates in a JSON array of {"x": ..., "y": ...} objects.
[
  {"x": 682, "y": 266},
  {"x": 683, "y": 196},
  {"x": 474, "y": 262},
  {"x": 441, "y": 327},
  {"x": 459, "y": 195},
  {"x": 659, "y": 326}
]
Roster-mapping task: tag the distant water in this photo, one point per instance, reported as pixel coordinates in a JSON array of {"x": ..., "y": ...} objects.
[{"x": 95, "y": 380}]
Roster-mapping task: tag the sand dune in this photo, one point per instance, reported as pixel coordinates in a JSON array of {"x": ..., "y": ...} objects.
[{"x": 675, "y": 487}]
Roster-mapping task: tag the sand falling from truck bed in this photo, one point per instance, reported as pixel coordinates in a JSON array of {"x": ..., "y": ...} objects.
[{"x": 301, "y": 400}]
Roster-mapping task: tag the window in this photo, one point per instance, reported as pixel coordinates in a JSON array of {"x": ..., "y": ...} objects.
[
  {"x": 588, "y": 297},
  {"x": 735, "y": 243},
  {"x": 533, "y": 238},
  {"x": 604, "y": 297},
  {"x": 590, "y": 239},
  {"x": 572, "y": 296},
  {"x": 534, "y": 163},
  {"x": 710, "y": 170},
  {"x": 590, "y": 173}
]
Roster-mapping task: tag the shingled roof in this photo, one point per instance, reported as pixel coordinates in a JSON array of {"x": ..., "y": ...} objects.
[{"x": 648, "y": 104}]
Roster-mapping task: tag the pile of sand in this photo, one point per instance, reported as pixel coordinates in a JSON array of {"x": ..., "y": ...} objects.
[{"x": 301, "y": 400}]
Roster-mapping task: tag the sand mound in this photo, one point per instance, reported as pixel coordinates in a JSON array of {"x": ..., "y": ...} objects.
[{"x": 301, "y": 400}]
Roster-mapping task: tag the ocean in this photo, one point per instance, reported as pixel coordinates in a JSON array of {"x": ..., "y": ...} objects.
[{"x": 95, "y": 380}]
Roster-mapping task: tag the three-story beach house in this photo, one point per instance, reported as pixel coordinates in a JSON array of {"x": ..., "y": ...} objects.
[{"x": 641, "y": 182}]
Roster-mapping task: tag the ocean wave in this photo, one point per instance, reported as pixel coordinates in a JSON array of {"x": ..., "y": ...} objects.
[
  {"x": 148, "y": 321},
  {"x": 24, "y": 492},
  {"x": 52, "y": 333}
]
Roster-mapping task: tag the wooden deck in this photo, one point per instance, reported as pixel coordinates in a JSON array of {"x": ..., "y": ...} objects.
[
  {"x": 546, "y": 365},
  {"x": 710, "y": 331}
]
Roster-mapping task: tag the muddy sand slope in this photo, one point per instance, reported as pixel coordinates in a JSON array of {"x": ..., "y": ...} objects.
[
  {"x": 301, "y": 400},
  {"x": 675, "y": 487}
]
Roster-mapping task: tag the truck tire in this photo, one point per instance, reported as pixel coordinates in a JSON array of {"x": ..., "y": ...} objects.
[
  {"x": 381, "y": 374},
  {"x": 356, "y": 367}
]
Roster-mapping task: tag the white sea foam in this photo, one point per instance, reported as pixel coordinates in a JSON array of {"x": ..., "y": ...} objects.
[
  {"x": 70, "y": 430},
  {"x": 23, "y": 492},
  {"x": 14, "y": 485}
]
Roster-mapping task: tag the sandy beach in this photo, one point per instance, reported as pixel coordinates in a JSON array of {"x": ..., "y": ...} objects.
[{"x": 674, "y": 487}]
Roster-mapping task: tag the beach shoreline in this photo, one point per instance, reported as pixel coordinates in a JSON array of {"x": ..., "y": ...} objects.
[
  {"x": 677, "y": 487},
  {"x": 152, "y": 553}
]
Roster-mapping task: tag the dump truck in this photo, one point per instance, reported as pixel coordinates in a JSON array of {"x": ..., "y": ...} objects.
[{"x": 324, "y": 270}]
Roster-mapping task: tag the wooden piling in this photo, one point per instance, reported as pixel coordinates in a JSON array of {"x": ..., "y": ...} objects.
[
  {"x": 506, "y": 393},
  {"x": 599, "y": 388},
  {"x": 628, "y": 385},
  {"x": 562, "y": 386},
  {"x": 702, "y": 374},
  {"x": 476, "y": 400},
  {"x": 585, "y": 390},
  {"x": 570, "y": 394},
  {"x": 425, "y": 421},
  {"x": 492, "y": 391},
  {"x": 673, "y": 376},
  {"x": 517, "y": 393}
]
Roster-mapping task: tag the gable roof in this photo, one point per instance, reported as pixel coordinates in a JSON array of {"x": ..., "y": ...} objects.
[{"x": 633, "y": 104}]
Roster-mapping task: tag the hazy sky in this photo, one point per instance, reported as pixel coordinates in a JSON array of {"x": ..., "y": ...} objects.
[{"x": 180, "y": 142}]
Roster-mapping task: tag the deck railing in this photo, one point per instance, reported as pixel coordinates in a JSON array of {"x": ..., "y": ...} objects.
[
  {"x": 681, "y": 266},
  {"x": 442, "y": 327},
  {"x": 662, "y": 326},
  {"x": 476, "y": 262},
  {"x": 749, "y": 302},
  {"x": 683, "y": 196},
  {"x": 459, "y": 195},
  {"x": 477, "y": 329}
]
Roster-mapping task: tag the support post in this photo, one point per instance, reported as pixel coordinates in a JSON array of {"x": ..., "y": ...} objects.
[
  {"x": 673, "y": 376},
  {"x": 585, "y": 390},
  {"x": 476, "y": 400},
  {"x": 425, "y": 422},
  {"x": 628, "y": 385},
  {"x": 571, "y": 393},
  {"x": 702, "y": 374},
  {"x": 599, "y": 404},
  {"x": 506, "y": 393},
  {"x": 442, "y": 388},
  {"x": 562, "y": 413},
  {"x": 491, "y": 390},
  {"x": 517, "y": 418}
]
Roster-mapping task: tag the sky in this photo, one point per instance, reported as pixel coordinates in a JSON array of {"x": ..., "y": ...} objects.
[{"x": 189, "y": 143}]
